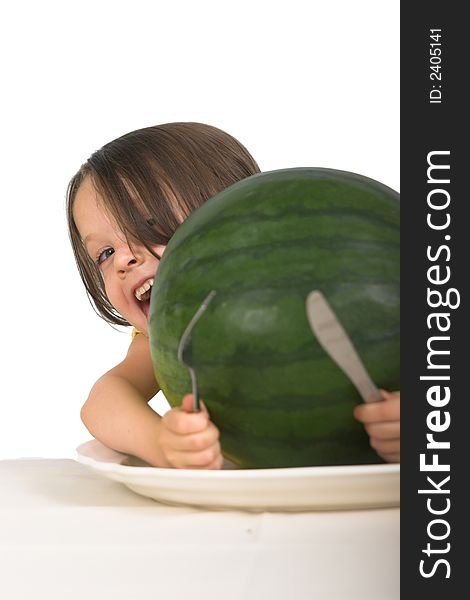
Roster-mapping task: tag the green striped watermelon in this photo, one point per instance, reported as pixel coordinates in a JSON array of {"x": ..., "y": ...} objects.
[{"x": 263, "y": 244}]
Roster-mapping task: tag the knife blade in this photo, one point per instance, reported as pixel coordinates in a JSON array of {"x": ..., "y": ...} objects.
[{"x": 337, "y": 344}]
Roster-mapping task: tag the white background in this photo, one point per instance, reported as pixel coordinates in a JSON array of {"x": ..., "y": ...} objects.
[{"x": 299, "y": 83}]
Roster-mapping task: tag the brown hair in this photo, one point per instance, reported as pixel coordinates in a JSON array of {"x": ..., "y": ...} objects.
[{"x": 150, "y": 180}]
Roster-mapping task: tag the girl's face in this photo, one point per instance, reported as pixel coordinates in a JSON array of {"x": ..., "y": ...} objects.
[{"x": 128, "y": 274}]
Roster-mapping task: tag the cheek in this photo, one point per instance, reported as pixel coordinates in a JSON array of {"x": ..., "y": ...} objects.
[
  {"x": 152, "y": 266},
  {"x": 113, "y": 292}
]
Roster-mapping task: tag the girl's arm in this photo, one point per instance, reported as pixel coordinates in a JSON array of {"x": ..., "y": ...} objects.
[
  {"x": 117, "y": 413},
  {"x": 382, "y": 422}
]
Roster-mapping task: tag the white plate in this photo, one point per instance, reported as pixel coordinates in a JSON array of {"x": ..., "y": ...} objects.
[{"x": 292, "y": 489}]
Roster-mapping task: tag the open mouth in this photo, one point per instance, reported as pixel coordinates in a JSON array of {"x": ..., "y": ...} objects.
[{"x": 142, "y": 294}]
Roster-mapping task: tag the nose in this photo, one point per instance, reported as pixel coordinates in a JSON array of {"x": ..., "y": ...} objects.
[{"x": 125, "y": 258}]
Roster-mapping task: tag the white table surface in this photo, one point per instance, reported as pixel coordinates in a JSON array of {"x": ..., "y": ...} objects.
[{"x": 67, "y": 533}]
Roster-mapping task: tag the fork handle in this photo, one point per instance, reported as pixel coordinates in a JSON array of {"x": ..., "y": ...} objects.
[{"x": 195, "y": 391}]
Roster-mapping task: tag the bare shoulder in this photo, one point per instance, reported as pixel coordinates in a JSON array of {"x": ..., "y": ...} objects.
[{"x": 137, "y": 367}]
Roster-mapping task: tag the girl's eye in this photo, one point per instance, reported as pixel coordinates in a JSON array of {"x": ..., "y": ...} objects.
[{"x": 105, "y": 254}]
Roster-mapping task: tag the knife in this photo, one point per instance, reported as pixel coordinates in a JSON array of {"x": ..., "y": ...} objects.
[{"x": 335, "y": 341}]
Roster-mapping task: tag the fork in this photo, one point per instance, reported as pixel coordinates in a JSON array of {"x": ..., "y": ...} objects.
[{"x": 184, "y": 348}]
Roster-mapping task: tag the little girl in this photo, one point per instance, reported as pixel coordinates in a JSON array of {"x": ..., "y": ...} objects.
[{"x": 123, "y": 206}]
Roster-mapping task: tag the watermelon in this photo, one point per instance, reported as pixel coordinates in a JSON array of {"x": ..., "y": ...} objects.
[{"x": 263, "y": 244}]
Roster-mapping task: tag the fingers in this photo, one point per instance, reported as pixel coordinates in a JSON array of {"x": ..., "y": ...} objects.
[
  {"x": 384, "y": 430},
  {"x": 209, "y": 458},
  {"x": 381, "y": 420},
  {"x": 182, "y": 421},
  {"x": 188, "y": 403},
  {"x": 385, "y": 446},
  {"x": 391, "y": 458},
  {"x": 385, "y": 439},
  {"x": 193, "y": 442},
  {"x": 389, "y": 451},
  {"x": 388, "y": 410},
  {"x": 190, "y": 440}
]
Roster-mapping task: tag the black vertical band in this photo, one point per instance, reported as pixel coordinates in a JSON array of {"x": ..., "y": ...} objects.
[{"x": 434, "y": 315}]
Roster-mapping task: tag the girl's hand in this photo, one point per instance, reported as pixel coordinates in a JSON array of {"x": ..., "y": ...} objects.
[
  {"x": 189, "y": 440},
  {"x": 382, "y": 422}
]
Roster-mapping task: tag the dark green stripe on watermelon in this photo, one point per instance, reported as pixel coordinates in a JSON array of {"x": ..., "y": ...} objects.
[{"x": 263, "y": 244}]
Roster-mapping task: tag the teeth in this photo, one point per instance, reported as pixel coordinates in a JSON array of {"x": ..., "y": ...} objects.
[{"x": 143, "y": 293}]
